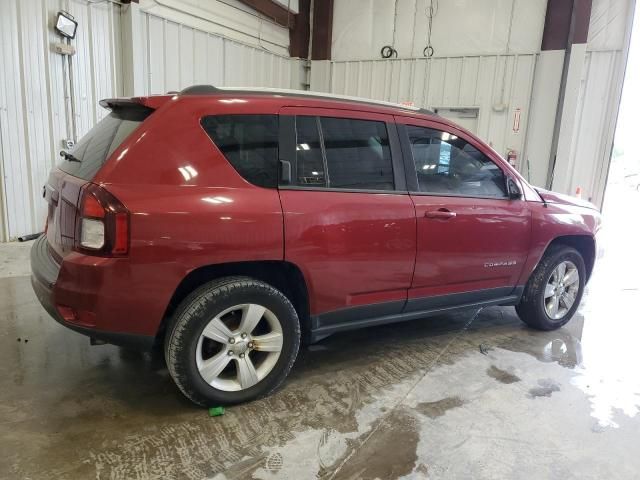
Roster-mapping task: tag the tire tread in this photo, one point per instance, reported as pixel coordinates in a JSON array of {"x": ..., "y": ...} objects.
[
  {"x": 189, "y": 308},
  {"x": 530, "y": 309}
]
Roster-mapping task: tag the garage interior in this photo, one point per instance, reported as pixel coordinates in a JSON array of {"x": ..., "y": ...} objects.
[{"x": 551, "y": 85}]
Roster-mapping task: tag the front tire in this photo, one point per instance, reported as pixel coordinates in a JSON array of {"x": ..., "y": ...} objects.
[
  {"x": 232, "y": 340},
  {"x": 554, "y": 290}
]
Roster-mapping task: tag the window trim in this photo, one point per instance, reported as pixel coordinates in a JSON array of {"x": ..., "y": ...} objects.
[
  {"x": 410, "y": 166},
  {"x": 288, "y": 141},
  {"x": 286, "y": 144},
  {"x": 344, "y": 190},
  {"x": 323, "y": 152}
]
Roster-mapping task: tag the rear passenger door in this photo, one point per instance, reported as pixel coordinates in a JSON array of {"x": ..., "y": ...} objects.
[{"x": 348, "y": 220}]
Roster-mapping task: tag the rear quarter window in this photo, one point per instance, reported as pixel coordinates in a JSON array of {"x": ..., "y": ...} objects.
[
  {"x": 249, "y": 143},
  {"x": 93, "y": 150}
]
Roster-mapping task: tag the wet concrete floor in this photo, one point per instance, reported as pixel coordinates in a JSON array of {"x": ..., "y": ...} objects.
[{"x": 472, "y": 395}]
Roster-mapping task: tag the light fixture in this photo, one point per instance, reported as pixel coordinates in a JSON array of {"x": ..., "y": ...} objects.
[{"x": 66, "y": 24}]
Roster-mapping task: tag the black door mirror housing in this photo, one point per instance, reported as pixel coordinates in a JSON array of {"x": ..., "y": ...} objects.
[{"x": 513, "y": 190}]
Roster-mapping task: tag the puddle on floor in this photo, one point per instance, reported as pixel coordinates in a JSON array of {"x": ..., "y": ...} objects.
[
  {"x": 502, "y": 375},
  {"x": 439, "y": 407}
]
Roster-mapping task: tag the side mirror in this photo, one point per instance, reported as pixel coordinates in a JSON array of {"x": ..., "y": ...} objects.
[{"x": 513, "y": 190}]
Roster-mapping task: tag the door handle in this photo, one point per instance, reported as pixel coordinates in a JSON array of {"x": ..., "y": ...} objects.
[{"x": 441, "y": 214}]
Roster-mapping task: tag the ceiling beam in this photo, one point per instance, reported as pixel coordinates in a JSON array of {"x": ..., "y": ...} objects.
[
  {"x": 299, "y": 34},
  {"x": 322, "y": 29},
  {"x": 566, "y": 23},
  {"x": 274, "y": 11}
]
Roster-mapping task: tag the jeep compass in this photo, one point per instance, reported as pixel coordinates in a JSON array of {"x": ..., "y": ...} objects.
[{"x": 229, "y": 225}]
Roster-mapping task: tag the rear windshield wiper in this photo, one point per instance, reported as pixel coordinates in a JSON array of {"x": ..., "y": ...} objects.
[{"x": 69, "y": 156}]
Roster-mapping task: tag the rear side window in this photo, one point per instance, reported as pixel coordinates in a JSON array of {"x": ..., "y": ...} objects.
[
  {"x": 343, "y": 153},
  {"x": 249, "y": 143},
  {"x": 98, "y": 144},
  {"x": 309, "y": 158}
]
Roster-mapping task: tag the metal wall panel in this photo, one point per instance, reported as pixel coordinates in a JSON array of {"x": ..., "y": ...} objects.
[
  {"x": 460, "y": 27},
  {"x": 594, "y": 128},
  {"x": 496, "y": 85},
  {"x": 33, "y": 119},
  {"x": 177, "y": 56}
]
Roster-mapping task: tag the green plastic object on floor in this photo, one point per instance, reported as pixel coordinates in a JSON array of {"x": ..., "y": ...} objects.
[{"x": 216, "y": 411}]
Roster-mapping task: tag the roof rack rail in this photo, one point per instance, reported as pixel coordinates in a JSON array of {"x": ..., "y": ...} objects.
[
  {"x": 210, "y": 89},
  {"x": 199, "y": 90}
]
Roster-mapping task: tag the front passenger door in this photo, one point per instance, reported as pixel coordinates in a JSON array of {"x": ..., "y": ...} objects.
[{"x": 472, "y": 240}]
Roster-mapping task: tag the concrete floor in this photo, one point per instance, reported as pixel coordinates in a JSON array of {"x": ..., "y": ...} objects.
[{"x": 473, "y": 395}]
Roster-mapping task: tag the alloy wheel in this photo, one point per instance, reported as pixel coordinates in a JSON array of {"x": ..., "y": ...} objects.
[
  {"x": 561, "y": 290},
  {"x": 239, "y": 347}
]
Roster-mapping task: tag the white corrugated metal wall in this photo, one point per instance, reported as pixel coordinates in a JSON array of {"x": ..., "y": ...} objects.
[
  {"x": 594, "y": 128},
  {"x": 594, "y": 86},
  {"x": 33, "y": 119},
  {"x": 452, "y": 82},
  {"x": 179, "y": 49},
  {"x": 178, "y": 55},
  {"x": 33, "y": 115},
  {"x": 464, "y": 45},
  {"x": 583, "y": 159}
]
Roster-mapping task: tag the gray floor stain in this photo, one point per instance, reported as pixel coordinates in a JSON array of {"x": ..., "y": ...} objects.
[
  {"x": 389, "y": 453},
  {"x": 385, "y": 402},
  {"x": 502, "y": 375},
  {"x": 545, "y": 388},
  {"x": 440, "y": 407}
]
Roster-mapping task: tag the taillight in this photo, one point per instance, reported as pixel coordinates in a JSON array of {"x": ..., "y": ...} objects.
[{"x": 102, "y": 225}]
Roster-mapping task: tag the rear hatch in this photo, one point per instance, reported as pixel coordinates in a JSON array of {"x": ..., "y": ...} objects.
[{"x": 80, "y": 165}]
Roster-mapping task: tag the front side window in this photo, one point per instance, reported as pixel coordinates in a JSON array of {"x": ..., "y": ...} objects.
[
  {"x": 447, "y": 164},
  {"x": 249, "y": 143},
  {"x": 343, "y": 153}
]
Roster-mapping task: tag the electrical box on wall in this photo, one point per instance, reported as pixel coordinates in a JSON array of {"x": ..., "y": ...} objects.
[{"x": 63, "y": 48}]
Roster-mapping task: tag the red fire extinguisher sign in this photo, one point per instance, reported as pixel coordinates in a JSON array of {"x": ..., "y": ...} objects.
[{"x": 516, "y": 120}]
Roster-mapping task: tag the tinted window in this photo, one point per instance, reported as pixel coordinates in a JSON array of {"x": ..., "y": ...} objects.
[
  {"x": 357, "y": 154},
  {"x": 309, "y": 161},
  {"x": 95, "y": 147},
  {"x": 448, "y": 164},
  {"x": 249, "y": 143}
]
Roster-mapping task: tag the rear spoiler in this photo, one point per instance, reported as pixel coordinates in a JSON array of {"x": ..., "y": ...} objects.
[{"x": 146, "y": 103}]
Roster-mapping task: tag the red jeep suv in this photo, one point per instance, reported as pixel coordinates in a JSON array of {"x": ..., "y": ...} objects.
[{"x": 229, "y": 224}]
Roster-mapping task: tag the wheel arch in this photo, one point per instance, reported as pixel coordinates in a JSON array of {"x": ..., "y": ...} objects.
[
  {"x": 285, "y": 276},
  {"x": 584, "y": 244}
]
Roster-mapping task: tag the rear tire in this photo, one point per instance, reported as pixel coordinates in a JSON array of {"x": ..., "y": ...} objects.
[
  {"x": 232, "y": 340},
  {"x": 554, "y": 290}
]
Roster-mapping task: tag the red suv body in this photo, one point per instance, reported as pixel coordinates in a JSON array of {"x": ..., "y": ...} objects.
[{"x": 359, "y": 212}]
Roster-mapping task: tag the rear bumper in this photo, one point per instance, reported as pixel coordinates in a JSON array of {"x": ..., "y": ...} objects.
[{"x": 44, "y": 275}]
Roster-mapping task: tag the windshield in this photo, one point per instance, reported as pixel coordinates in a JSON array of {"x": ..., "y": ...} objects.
[{"x": 98, "y": 144}]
